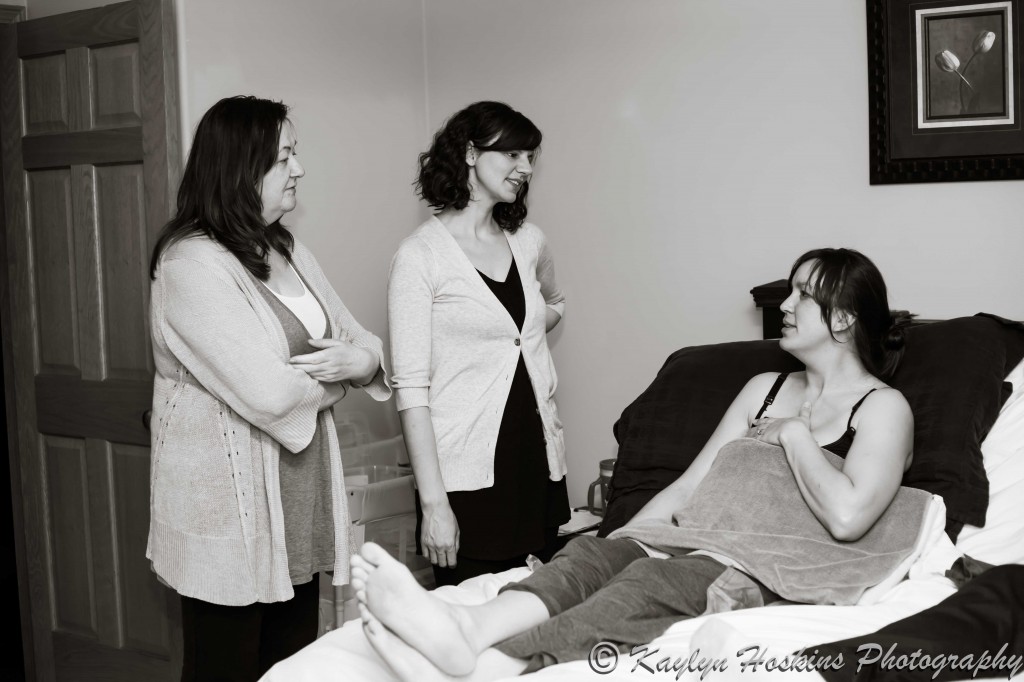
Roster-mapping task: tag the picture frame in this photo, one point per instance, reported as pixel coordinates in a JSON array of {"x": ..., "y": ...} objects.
[{"x": 944, "y": 94}]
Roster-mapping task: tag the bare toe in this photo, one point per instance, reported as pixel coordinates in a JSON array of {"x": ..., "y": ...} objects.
[
  {"x": 357, "y": 562},
  {"x": 373, "y": 554}
]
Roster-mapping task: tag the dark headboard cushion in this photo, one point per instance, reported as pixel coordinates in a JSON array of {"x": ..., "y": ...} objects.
[
  {"x": 661, "y": 432},
  {"x": 952, "y": 376}
]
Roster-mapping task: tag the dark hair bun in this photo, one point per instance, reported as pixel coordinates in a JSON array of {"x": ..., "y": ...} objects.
[{"x": 895, "y": 338}]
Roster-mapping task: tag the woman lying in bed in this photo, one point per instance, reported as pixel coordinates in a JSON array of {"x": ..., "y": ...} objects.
[{"x": 838, "y": 323}]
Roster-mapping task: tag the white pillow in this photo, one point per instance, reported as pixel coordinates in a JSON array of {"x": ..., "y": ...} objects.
[
  {"x": 1001, "y": 540},
  {"x": 931, "y": 538}
]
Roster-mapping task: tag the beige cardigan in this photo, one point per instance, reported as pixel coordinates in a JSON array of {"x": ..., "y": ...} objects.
[
  {"x": 225, "y": 403},
  {"x": 454, "y": 348}
]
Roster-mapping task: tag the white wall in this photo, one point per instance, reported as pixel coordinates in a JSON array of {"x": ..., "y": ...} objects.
[
  {"x": 352, "y": 73},
  {"x": 692, "y": 151}
]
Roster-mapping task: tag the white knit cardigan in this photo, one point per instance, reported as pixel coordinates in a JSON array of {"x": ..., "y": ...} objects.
[
  {"x": 454, "y": 348},
  {"x": 226, "y": 406}
]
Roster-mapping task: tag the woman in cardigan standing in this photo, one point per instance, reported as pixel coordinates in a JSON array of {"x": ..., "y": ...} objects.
[
  {"x": 471, "y": 296},
  {"x": 252, "y": 347}
]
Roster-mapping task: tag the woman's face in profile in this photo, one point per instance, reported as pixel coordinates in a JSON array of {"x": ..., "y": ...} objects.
[
  {"x": 277, "y": 189},
  {"x": 502, "y": 174},
  {"x": 802, "y": 325}
]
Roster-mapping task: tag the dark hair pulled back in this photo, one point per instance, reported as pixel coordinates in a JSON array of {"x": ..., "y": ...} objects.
[{"x": 845, "y": 280}]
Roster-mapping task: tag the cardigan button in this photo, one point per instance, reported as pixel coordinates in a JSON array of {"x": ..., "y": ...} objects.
[{"x": 517, "y": 342}]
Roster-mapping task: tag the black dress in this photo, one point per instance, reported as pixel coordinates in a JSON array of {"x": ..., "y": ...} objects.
[{"x": 520, "y": 514}]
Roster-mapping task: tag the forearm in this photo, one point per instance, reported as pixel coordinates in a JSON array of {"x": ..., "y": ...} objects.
[
  {"x": 663, "y": 505},
  {"x": 367, "y": 369},
  {"x": 334, "y": 391},
  {"x": 551, "y": 319},
  {"x": 210, "y": 327},
  {"x": 828, "y": 492},
  {"x": 419, "y": 441}
]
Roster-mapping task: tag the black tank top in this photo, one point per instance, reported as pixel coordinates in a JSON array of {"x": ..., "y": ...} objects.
[{"x": 841, "y": 446}]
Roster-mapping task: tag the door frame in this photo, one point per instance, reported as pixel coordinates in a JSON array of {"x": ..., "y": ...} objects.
[
  {"x": 10, "y": 14},
  {"x": 157, "y": 37}
]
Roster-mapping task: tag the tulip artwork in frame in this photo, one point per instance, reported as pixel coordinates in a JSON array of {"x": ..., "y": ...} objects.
[{"x": 945, "y": 90}]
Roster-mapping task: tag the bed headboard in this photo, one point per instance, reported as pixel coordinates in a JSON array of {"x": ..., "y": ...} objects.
[{"x": 768, "y": 297}]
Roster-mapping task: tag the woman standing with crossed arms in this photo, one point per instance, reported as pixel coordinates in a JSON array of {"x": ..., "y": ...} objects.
[
  {"x": 252, "y": 348},
  {"x": 471, "y": 296}
]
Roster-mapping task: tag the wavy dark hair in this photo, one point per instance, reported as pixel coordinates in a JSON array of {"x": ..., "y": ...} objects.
[
  {"x": 846, "y": 280},
  {"x": 235, "y": 144},
  {"x": 443, "y": 179}
]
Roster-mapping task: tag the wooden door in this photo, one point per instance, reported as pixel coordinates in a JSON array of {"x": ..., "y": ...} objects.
[{"x": 91, "y": 159}]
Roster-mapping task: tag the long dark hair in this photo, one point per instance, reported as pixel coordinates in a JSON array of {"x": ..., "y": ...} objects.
[
  {"x": 235, "y": 144},
  {"x": 443, "y": 180},
  {"x": 846, "y": 280}
]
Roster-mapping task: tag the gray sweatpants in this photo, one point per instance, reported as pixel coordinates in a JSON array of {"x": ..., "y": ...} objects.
[{"x": 599, "y": 590}]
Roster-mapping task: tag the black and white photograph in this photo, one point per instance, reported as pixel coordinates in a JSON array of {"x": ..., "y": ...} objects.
[
  {"x": 965, "y": 65},
  {"x": 476, "y": 341},
  {"x": 944, "y": 91}
]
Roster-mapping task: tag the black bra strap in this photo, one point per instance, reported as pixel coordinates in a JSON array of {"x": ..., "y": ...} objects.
[
  {"x": 770, "y": 398},
  {"x": 849, "y": 423}
]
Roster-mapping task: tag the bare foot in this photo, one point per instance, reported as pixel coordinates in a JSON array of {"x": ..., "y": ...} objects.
[
  {"x": 409, "y": 664},
  {"x": 412, "y": 666},
  {"x": 439, "y": 631}
]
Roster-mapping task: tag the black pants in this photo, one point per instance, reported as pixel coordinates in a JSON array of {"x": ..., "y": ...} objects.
[
  {"x": 466, "y": 568},
  {"x": 982, "y": 617},
  {"x": 241, "y": 643}
]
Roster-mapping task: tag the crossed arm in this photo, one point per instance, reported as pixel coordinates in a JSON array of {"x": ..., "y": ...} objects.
[{"x": 846, "y": 501}]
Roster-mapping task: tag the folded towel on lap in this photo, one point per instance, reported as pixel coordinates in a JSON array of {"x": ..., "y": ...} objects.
[{"x": 750, "y": 509}]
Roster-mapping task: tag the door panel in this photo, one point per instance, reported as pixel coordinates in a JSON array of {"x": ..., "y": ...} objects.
[
  {"x": 84, "y": 201},
  {"x": 113, "y": 104},
  {"x": 120, "y": 200},
  {"x": 91, "y": 147},
  {"x": 110, "y": 410},
  {"x": 87, "y": 285},
  {"x": 46, "y": 88},
  {"x": 68, "y": 515},
  {"x": 144, "y": 598},
  {"x": 111, "y": 24},
  {"x": 52, "y": 239}
]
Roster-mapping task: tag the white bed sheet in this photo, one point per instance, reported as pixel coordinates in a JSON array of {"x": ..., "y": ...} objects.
[{"x": 344, "y": 655}]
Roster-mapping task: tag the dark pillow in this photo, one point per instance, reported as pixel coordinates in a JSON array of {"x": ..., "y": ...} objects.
[
  {"x": 951, "y": 374},
  {"x": 661, "y": 432}
]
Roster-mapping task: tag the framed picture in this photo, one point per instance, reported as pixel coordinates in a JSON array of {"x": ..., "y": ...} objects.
[{"x": 945, "y": 90}]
